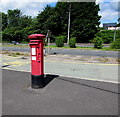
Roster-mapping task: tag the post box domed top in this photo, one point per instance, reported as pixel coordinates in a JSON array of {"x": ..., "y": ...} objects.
[{"x": 36, "y": 36}]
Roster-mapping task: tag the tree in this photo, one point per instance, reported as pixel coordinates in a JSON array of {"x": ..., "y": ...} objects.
[
  {"x": 9, "y": 34},
  {"x": 119, "y": 22},
  {"x": 25, "y": 21},
  {"x": 45, "y": 20},
  {"x": 4, "y": 20},
  {"x": 18, "y": 26},
  {"x": 13, "y": 17},
  {"x": 84, "y": 21}
]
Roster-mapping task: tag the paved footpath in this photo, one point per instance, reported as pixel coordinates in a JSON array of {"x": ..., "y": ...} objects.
[
  {"x": 60, "y": 96},
  {"x": 92, "y": 71}
]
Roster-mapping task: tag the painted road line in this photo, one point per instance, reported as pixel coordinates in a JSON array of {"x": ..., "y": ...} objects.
[
  {"x": 16, "y": 63},
  {"x": 79, "y": 62},
  {"x": 16, "y": 69}
]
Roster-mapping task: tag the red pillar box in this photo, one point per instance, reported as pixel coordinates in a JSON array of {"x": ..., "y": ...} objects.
[{"x": 37, "y": 68}]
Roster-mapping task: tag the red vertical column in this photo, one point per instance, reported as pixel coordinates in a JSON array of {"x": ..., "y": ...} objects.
[{"x": 37, "y": 63}]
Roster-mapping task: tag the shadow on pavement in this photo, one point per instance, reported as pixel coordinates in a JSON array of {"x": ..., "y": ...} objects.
[
  {"x": 48, "y": 78},
  {"x": 5, "y": 65}
]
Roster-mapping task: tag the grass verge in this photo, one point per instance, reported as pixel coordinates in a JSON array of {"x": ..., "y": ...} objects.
[
  {"x": 15, "y": 45},
  {"x": 84, "y": 48}
]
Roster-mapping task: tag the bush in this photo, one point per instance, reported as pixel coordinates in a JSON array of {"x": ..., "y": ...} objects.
[
  {"x": 98, "y": 42},
  {"x": 72, "y": 42},
  {"x": 60, "y": 41},
  {"x": 115, "y": 44},
  {"x": 108, "y": 35}
]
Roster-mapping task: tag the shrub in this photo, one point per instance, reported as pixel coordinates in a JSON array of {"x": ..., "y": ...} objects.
[
  {"x": 98, "y": 42},
  {"x": 108, "y": 35},
  {"x": 72, "y": 42},
  {"x": 60, "y": 41},
  {"x": 115, "y": 44}
]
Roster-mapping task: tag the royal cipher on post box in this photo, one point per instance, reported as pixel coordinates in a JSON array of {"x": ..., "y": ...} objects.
[{"x": 37, "y": 67}]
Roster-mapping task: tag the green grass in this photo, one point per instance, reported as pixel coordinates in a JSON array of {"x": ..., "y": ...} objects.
[
  {"x": 84, "y": 48},
  {"x": 5, "y": 42},
  {"x": 24, "y": 42},
  {"x": 67, "y": 47},
  {"x": 15, "y": 45},
  {"x": 109, "y": 49}
]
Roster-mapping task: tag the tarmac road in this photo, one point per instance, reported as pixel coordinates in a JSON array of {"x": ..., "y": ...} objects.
[
  {"x": 69, "y": 51},
  {"x": 61, "y": 96}
]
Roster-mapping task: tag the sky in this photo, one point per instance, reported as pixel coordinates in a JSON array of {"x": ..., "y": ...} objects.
[{"x": 108, "y": 8}]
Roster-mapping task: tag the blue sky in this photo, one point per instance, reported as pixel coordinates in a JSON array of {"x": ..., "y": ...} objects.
[{"x": 108, "y": 8}]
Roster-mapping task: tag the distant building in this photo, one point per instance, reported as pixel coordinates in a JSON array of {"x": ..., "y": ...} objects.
[
  {"x": 106, "y": 25},
  {"x": 113, "y": 28}
]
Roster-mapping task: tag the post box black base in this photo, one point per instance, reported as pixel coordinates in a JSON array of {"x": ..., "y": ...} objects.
[{"x": 37, "y": 81}]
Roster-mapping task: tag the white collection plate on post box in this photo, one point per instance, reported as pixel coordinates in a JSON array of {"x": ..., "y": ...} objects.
[
  {"x": 33, "y": 58},
  {"x": 33, "y": 51}
]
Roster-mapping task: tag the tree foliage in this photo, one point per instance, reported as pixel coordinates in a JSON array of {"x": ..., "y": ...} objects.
[
  {"x": 72, "y": 42},
  {"x": 118, "y": 22},
  {"x": 13, "y": 17},
  {"x": 60, "y": 41},
  {"x": 84, "y": 22},
  {"x": 115, "y": 44},
  {"x": 98, "y": 42},
  {"x": 108, "y": 35},
  {"x": 16, "y": 26},
  {"x": 4, "y": 20}
]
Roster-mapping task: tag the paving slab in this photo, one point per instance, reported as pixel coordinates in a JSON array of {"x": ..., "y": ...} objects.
[{"x": 60, "y": 96}]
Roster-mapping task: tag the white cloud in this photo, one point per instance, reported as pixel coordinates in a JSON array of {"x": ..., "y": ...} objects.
[
  {"x": 99, "y": 1},
  {"x": 109, "y": 16},
  {"x": 115, "y": 0},
  {"x": 29, "y": 1},
  {"x": 109, "y": 11},
  {"x": 28, "y": 8},
  {"x": 101, "y": 25}
]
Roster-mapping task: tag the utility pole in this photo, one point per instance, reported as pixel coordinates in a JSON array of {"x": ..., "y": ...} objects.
[
  {"x": 114, "y": 34},
  {"x": 48, "y": 39},
  {"x": 69, "y": 23}
]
